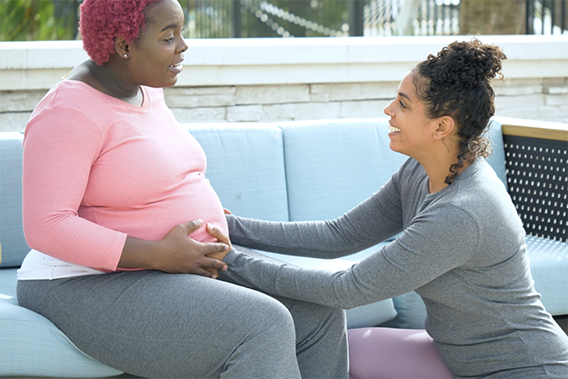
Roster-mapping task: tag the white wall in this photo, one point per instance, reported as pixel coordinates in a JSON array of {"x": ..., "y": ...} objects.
[{"x": 299, "y": 78}]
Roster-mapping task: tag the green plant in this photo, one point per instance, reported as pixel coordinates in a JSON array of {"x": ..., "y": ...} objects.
[{"x": 33, "y": 20}]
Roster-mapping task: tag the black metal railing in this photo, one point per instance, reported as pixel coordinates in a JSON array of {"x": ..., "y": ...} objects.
[
  {"x": 338, "y": 18},
  {"x": 547, "y": 16},
  {"x": 431, "y": 17},
  {"x": 278, "y": 18}
]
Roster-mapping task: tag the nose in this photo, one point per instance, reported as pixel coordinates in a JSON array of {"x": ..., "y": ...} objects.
[
  {"x": 183, "y": 46},
  {"x": 388, "y": 109}
]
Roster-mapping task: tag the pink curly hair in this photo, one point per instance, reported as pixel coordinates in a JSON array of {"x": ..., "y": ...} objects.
[{"x": 103, "y": 20}]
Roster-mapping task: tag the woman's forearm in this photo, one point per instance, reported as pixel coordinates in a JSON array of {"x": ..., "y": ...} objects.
[
  {"x": 407, "y": 263},
  {"x": 362, "y": 227},
  {"x": 343, "y": 289}
]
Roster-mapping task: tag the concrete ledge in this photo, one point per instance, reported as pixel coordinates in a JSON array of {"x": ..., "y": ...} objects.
[
  {"x": 265, "y": 80},
  {"x": 229, "y": 62}
]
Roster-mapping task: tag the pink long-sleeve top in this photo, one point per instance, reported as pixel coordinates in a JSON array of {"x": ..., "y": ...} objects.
[{"x": 97, "y": 169}]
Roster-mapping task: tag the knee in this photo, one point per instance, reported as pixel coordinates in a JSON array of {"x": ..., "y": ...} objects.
[
  {"x": 337, "y": 317},
  {"x": 325, "y": 318},
  {"x": 270, "y": 318},
  {"x": 334, "y": 320}
]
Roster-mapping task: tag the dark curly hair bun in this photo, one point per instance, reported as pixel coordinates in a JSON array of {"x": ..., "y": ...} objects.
[
  {"x": 456, "y": 83},
  {"x": 467, "y": 63}
]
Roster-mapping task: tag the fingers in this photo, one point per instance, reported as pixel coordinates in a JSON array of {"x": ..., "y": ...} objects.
[
  {"x": 192, "y": 226},
  {"x": 209, "y": 273},
  {"x": 216, "y": 266},
  {"x": 215, "y": 232},
  {"x": 227, "y": 212}
]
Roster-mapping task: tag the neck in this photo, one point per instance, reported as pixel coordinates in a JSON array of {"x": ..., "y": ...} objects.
[
  {"x": 437, "y": 165},
  {"x": 110, "y": 80}
]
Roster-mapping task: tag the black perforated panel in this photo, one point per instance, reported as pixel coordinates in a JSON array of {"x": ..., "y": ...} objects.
[{"x": 538, "y": 184}]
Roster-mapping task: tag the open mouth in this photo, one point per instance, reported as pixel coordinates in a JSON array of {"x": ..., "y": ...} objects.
[
  {"x": 176, "y": 68},
  {"x": 393, "y": 129}
]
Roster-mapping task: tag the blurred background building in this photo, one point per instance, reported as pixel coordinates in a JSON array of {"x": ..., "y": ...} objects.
[
  {"x": 24, "y": 20},
  {"x": 231, "y": 75}
]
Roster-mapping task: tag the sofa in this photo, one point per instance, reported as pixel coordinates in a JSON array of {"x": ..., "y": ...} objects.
[{"x": 297, "y": 170}]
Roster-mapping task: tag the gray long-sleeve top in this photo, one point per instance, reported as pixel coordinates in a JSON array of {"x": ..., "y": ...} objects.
[{"x": 461, "y": 249}]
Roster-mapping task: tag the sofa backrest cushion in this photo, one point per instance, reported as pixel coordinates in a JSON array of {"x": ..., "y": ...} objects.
[
  {"x": 14, "y": 247},
  {"x": 245, "y": 165},
  {"x": 497, "y": 159},
  {"x": 332, "y": 165}
]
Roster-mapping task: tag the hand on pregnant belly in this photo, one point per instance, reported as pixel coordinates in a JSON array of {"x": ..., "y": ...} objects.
[
  {"x": 221, "y": 237},
  {"x": 182, "y": 254}
]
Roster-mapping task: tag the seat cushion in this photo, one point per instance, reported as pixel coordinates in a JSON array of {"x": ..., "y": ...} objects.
[
  {"x": 549, "y": 268},
  {"x": 31, "y": 345}
]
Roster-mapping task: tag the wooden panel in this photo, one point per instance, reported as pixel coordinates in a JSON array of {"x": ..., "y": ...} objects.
[{"x": 534, "y": 129}]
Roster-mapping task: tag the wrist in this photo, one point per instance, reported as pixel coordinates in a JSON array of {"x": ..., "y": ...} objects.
[
  {"x": 139, "y": 253},
  {"x": 231, "y": 256}
]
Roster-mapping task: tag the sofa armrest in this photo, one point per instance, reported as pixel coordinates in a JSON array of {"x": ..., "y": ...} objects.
[{"x": 536, "y": 159}]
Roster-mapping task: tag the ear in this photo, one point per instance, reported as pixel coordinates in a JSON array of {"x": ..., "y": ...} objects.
[
  {"x": 445, "y": 126},
  {"x": 121, "y": 47}
]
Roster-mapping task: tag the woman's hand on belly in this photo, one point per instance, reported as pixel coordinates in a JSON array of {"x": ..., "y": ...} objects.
[
  {"x": 176, "y": 253},
  {"x": 221, "y": 237}
]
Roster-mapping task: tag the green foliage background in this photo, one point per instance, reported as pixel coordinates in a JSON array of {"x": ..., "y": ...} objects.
[
  {"x": 36, "y": 20},
  {"x": 33, "y": 20}
]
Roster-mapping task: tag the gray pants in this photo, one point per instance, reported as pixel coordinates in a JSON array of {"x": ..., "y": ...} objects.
[{"x": 160, "y": 325}]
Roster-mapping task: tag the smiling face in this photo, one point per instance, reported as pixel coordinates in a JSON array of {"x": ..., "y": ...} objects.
[
  {"x": 156, "y": 55},
  {"x": 410, "y": 131}
]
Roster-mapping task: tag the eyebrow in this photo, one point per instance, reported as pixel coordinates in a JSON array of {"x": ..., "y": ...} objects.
[
  {"x": 170, "y": 26},
  {"x": 405, "y": 96}
]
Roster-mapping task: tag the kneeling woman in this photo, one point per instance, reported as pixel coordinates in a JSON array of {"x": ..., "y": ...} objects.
[{"x": 461, "y": 245}]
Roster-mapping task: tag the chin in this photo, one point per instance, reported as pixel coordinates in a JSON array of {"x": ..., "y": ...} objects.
[
  {"x": 164, "y": 84},
  {"x": 172, "y": 82},
  {"x": 393, "y": 147}
]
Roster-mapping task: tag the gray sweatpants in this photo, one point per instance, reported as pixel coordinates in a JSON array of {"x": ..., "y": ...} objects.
[{"x": 159, "y": 325}]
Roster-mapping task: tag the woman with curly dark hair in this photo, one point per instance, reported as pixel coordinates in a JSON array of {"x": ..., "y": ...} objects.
[
  {"x": 459, "y": 242},
  {"x": 111, "y": 184}
]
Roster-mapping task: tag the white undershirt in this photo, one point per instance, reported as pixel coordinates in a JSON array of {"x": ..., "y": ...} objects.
[{"x": 39, "y": 266}]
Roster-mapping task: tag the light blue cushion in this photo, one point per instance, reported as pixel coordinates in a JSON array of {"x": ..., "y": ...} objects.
[
  {"x": 411, "y": 312},
  {"x": 245, "y": 165},
  {"x": 549, "y": 269},
  {"x": 497, "y": 159},
  {"x": 14, "y": 247},
  {"x": 30, "y": 345},
  {"x": 333, "y": 165},
  {"x": 8, "y": 283}
]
